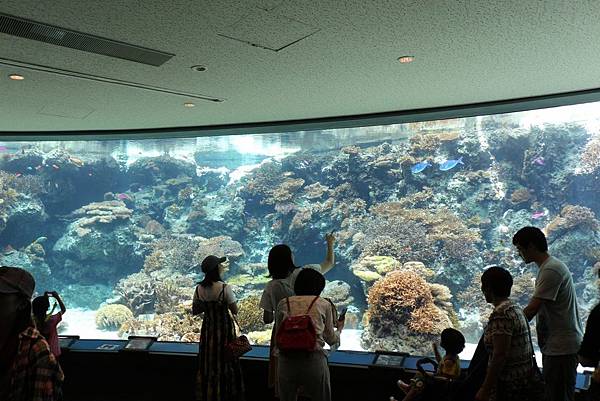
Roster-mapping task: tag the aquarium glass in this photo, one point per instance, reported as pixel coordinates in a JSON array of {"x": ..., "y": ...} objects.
[{"x": 119, "y": 227}]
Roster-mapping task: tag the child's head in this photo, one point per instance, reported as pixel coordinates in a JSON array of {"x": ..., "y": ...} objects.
[
  {"x": 40, "y": 306},
  {"x": 452, "y": 341}
]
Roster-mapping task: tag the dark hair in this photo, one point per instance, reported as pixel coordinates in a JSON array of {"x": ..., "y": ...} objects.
[
  {"x": 210, "y": 277},
  {"x": 309, "y": 282},
  {"x": 452, "y": 341},
  {"x": 280, "y": 262},
  {"x": 498, "y": 280},
  {"x": 531, "y": 236}
]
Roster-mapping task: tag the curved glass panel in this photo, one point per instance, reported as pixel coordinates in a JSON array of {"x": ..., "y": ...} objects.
[{"x": 118, "y": 228}]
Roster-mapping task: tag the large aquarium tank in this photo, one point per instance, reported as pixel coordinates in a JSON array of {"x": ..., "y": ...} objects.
[{"x": 119, "y": 227}]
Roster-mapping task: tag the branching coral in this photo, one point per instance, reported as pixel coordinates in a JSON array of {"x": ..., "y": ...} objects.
[
  {"x": 137, "y": 292},
  {"x": 590, "y": 158},
  {"x": 173, "y": 290},
  {"x": 111, "y": 317},
  {"x": 572, "y": 216},
  {"x": 458, "y": 241},
  {"x": 250, "y": 315},
  {"x": 316, "y": 190},
  {"x": 285, "y": 191},
  {"x": 172, "y": 253},
  {"x": 403, "y": 298},
  {"x": 179, "y": 325}
]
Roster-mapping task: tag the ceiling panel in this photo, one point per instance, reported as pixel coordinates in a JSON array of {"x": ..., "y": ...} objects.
[{"x": 465, "y": 52}]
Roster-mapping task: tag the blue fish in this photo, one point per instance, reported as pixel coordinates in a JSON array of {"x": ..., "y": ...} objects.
[
  {"x": 417, "y": 168},
  {"x": 450, "y": 164}
]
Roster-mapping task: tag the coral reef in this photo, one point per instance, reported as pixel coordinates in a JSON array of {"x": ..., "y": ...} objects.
[
  {"x": 175, "y": 253},
  {"x": 138, "y": 292},
  {"x": 338, "y": 292},
  {"x": 104, "y": 212},
  {"x": 250, "y": 316},
  {"x": 111, "y": 317},
  {"x": 403, "y": 300},
  {"x": 572, "y": 216},
  {"x": 178, "y": 325},
  {"x": 590, "y": 158}
]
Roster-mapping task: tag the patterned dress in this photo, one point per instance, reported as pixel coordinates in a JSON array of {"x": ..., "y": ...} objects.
[
  {"x": 218, "y": 379},
  {"x": 514, "y": 380}
]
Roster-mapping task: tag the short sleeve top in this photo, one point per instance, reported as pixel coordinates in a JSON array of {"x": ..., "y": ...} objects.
[
  {"x": 275, "y": 291},
  {"x": 558, "y": 324},
  {"x": 508, "y": 319},
  {"x": 294, "y": 274}
]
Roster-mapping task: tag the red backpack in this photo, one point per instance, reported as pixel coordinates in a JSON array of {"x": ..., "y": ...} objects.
[{"x": 297, "y": 333}]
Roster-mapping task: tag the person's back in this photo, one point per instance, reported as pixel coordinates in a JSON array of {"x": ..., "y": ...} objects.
[
  {"x": 321, "y": 313},
  {"x": 554, "y": 304},
  {"x": 558, "y": 323},
  {"x": 299, "y": 367},
  {"x": 219, "y": 378}
]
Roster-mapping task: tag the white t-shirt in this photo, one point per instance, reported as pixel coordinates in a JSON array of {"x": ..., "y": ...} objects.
[
  {"x": 212, "y": 293},
  {"x": 558, "y": 324},
  {"x": 294, "y": 274}
]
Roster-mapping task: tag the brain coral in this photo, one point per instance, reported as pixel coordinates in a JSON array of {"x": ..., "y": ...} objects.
[{"x": 111, "y": 317}]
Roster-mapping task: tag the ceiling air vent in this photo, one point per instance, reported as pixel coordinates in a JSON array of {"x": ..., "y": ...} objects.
[{"x": 81, "y": 41}]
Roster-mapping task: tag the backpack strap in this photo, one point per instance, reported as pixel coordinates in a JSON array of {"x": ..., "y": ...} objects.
[
  {"x": 222, "y": 294},
  {"x": 287, "y": 300},
  {"x": 311, "y": 304}
]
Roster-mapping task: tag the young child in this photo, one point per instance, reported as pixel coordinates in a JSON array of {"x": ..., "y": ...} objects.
[
  {"x": 46, "y": 322},
  {"x": 453, "y": 342}
]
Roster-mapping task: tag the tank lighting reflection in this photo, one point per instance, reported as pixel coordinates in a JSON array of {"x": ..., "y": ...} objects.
[
  {"x": 16, "y": 77},
  {"x": 189, "y": 105},
  {"x": 406, "y": 59}
]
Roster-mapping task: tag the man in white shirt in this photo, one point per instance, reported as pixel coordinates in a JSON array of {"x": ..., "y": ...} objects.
[{"x": 554, "y": 304}]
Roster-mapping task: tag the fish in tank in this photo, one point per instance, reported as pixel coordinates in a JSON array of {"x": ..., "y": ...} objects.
[{"x": 119, "y": 227}]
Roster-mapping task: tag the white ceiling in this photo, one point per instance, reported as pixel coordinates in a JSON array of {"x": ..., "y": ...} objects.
[{"x": 467, "y": 51}]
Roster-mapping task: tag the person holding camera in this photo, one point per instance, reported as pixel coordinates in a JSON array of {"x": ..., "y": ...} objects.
[{"x": 47, "y": 322}]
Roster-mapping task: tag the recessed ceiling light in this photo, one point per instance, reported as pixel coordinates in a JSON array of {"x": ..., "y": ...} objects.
[
  {"x": 189, "y": 105},
  {"x": 16, "y": 77},
  {"x": 406, "y": 59}
]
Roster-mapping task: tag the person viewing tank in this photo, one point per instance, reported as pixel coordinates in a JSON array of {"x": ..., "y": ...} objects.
[
  {"x": 219, "y": 378},
  {"x": 512, "y": 373},
  {"x": 554, "y": 303},
  {"x": 280, "y": 264},
  {"x": 305, "y": 322},
  {"x": 47, "y": 323}
]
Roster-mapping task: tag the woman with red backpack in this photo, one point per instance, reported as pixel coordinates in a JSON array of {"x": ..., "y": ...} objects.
[
  {"x": 283, "y": 273},
  {"x": 305, "y": 322}
]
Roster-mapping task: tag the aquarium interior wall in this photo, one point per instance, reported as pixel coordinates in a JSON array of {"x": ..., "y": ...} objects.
[{"x": 119, "y": 227}]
